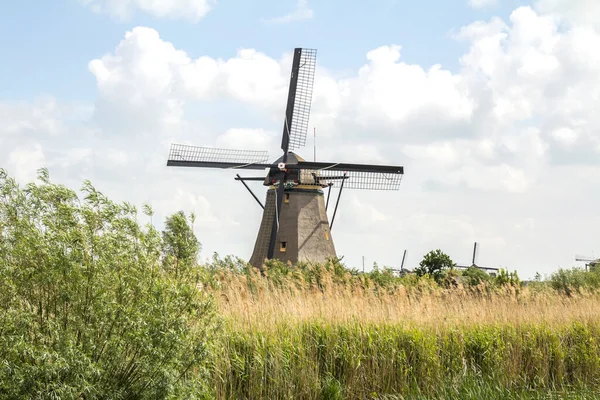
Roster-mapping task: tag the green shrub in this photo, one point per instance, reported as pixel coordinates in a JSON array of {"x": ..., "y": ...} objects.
[
  {"x": 475, "y": 276},
  {"x": 383, "y": 278},
  {"x": 507, "y": 278},
  {"x": 94, "y": 306},
  {"x": 435, "y": 263},
  {"x": 569, "y": 281}
]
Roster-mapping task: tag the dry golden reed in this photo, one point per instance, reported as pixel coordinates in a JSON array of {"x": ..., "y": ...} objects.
[
  {"x": 268, "y": 306},
  {"x": 322, "y": 332}
]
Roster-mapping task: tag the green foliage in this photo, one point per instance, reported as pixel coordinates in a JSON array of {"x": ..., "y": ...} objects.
[
  {"x": 435, "y": 263},
  {"x": 277, "y": 274},
  {"x": 383, "y": 278},
  {"x": 332, "y": 389},
  {"x": 179, "y": 242},
  {"x": 368, "y": 361},
  {"x": 92, "y": 305},
  {"x": 507, "y": 278},
  {"x": 570, "y": 281},
  {"x": 475, "y": 276}
]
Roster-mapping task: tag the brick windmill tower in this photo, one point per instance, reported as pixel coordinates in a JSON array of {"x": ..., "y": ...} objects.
[{"x": 294, "y": 225}]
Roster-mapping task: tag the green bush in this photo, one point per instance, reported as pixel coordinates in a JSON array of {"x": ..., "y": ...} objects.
[
  {"x": 475, "y": 276},
  {"x": 383, "y": 278},
  {"x": 435, "y": 263},
  {"x": 570, "y": 281},
  {"x": 94, "y": 306}
]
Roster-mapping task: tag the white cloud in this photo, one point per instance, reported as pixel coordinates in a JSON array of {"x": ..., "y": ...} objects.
[
  {"x": 249, "y": 139},
  {"x": 206, "y": 217},
  {"x": 192, "y": 10},
  {"x": 504, "y": 150},
  {"x": 25, "y": 161},
  {"x": 578, "y": 12},
  {"x": 482, "y": 3},
  {"x": 41, "y": 117},
  {"x": 393, "y": 91},
  {"x": 566, "y": 136},
  {"x": 147, "y": 73},
  {"x": 301, "y": 12},
  {"x": 363, "y": 215}
]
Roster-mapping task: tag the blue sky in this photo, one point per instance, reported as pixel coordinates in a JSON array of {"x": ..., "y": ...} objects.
[
  {"x": 501, "y": 148},
  {"x": 47, "y": 44}
]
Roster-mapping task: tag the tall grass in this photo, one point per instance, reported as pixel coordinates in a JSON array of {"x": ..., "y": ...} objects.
[
  {"x": 318, "y": 331},
  {"x": 358, "y": 360},
  {"x": 323, "y": 293}
]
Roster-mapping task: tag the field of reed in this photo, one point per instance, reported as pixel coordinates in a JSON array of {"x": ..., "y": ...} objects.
[{"x": 323, "y": 332}]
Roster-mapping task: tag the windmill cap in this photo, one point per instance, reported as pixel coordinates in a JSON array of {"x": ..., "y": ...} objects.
[{"x": 292, "y": 158}]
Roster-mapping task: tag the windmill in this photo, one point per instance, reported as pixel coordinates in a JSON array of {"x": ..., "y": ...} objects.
[
  {"x": 474, "y": 264},
  {"x": 590, "y": 262},
  {"x": 402, "y": 271},
  {"x": 294, "y": 224}
]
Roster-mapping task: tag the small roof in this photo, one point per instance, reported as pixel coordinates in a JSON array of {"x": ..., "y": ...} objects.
[{"x": 292, "y": 158}]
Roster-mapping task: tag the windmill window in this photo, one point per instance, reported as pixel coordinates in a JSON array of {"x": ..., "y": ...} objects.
[
  {"x": 286, "y": 198},
  {"x": 282, "y": 247}
]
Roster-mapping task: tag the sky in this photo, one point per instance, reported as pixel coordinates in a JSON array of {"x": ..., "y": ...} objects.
[{"x": 490, "y": 105}]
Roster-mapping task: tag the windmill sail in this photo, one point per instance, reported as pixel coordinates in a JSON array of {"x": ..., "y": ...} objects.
[
  {"x": 355, "y": 176},
  {"x": 299, "y": 99},
  {"x": 475, "y": 253},
  {"x": 295, "y": 124},
  {"x": 182, "y": 155}
]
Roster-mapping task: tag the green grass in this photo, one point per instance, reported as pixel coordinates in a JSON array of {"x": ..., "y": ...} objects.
[
  {"x": 323, "y": 332},
  {"x": 360, "y": 361}
]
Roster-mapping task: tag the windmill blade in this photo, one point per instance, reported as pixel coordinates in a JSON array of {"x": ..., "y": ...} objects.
[
  {"x": 345, "y": 167},
  {"x": 403, "y": 259},
  {"x": 182, "y": 155},
  {"x": 299, "y": 99},
  {"x": 358, "y": 176},
  {"x": 358, "y": 179},
  {"x": 475, "y": 253},
  {"x": 584, "y": 258},
  {"x": 295, "y": 124}
]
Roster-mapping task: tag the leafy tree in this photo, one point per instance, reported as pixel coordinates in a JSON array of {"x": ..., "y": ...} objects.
[
  {"x": 474, "y": 276},
  {"x": 87, "y": 307},
  {"x": 435, "y": 263},
  {"x": 179, "y": 242},
  {"x": 507, "y": 278},
  {"x": 384, "y": 277}
]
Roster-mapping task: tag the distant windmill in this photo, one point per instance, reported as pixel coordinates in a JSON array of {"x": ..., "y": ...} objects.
[
  {"x": 473, "y": 261},
  {"x": 403, "y": 259},
  {"x": 401, "y": 271},
  {"x": 294, "y": 224},
  {"x": 590, "y": 262}
]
